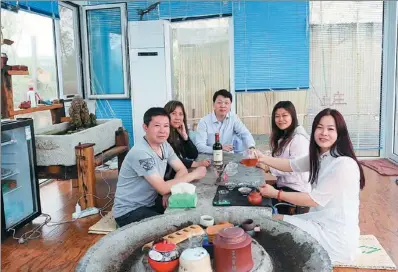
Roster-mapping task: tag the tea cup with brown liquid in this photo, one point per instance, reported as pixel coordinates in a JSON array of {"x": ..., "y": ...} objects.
[{"x": 249, "y": 159}]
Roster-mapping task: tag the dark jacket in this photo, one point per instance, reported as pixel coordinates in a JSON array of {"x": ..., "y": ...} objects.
[{"x": 186, "y": 151}]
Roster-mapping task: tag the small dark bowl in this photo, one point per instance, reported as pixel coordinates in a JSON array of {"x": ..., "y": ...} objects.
[{"x": 248, "y": 225}]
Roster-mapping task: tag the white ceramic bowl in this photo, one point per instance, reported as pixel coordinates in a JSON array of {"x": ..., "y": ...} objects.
[{"x": 195, "y": 260}]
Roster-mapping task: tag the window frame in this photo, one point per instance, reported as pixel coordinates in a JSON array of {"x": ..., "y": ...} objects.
[
  {"x": 390, "y": 77},
  {"x": 86, "y": 63},
  {"x": 56, "y": 48},
  {"x": 76, "y": 27}
]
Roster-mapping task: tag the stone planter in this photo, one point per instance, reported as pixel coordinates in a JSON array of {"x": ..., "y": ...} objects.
[{"x": 60, "y": 149}]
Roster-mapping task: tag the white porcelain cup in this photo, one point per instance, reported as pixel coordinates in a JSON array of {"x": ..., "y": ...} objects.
[
  {"x": 195, "y": 260},
  {"x": 206, "y": 220}
]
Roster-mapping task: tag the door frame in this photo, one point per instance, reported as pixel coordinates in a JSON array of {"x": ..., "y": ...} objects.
[
  {"x": 76, "y": 34},
  {"x": 86, "y": 50},
  {"x": 389, "y": 82}
]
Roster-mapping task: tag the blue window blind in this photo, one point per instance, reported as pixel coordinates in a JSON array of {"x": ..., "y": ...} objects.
[
  {"x": 105, "y": 40},
  {"x": 271, "y": 45},
  {"x": 134, "y": 6},
  {"x": 271, "y": 38},
  {"x": 117, "y": 108},
  {"x": 186, "y": 9},
  {"x": 47, "y": 8},
  {"x": 178, "y": 9}
]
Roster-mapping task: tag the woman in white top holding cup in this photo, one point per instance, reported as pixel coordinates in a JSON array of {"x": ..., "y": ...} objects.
[
  {"x": 336, "y": 177},
  {"x": 288, "y": 140}
]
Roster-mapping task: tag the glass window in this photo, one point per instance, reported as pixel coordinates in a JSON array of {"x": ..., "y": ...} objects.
[
  {"x": 105, "y": 50},
  {"x": 201, "y": 63},
  {"x": 69, "y": 51},
  {"x": 345, "y": 74},
  {"x": 33, "y": 46}
]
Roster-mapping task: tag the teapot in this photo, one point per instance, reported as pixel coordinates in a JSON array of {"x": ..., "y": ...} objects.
[
  {"x": 255, "y": 198},
  {"x": 163, "y": 256}
]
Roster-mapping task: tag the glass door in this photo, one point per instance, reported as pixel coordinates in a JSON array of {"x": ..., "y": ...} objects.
[
  {"x": 390, "y": 79},
  {"x": 394, "y": 113},
  {"x": 392, "y": 105},
  {"x": 201, "y": 64},
  {"x": 68, "y": 39},
  {"x": 18, "y": 179}
]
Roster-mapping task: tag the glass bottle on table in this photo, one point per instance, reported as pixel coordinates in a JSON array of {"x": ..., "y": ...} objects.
[{"x": 217, "y": 152}]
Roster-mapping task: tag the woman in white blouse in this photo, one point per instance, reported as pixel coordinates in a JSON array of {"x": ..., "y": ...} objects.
[
  {"x": 288, "y": 140},
  {"x": 336, "y": 179}
]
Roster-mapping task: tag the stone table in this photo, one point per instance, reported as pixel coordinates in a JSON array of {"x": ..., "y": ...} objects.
[
  {"x": 288, "y": 247},
  {"x": 206, "y": 187}
]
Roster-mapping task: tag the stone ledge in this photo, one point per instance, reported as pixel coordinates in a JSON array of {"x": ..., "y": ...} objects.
[{"x": 60, "y": 149}]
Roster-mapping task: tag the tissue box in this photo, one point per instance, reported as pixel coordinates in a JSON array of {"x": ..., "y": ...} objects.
[
  {"x": 183, "y": 188},
  {"x": 183, "y": 201}
]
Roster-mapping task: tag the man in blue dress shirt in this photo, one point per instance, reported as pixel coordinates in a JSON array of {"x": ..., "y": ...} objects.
[{"x": 224, "y": 122}]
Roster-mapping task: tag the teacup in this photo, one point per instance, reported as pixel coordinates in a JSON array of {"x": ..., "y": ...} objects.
[
  {"x": 195, "y": 259},
  {"x": 206, "y": 220}
]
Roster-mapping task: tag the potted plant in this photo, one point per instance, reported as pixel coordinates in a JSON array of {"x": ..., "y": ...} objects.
[{"x": 80, "y": 116}]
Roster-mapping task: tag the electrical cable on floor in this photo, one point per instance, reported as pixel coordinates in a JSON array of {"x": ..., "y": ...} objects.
[
  {"x": 35, "y": 233},
  {"x": 100, "y": 168},
  {"x": 28, "y": 235}
]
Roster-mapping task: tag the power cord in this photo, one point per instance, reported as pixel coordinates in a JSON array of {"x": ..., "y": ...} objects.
[
  {"x": 30, "y": 234},
  {"x": 100, "y": 169},
  {"x": 35, "y": 233}
]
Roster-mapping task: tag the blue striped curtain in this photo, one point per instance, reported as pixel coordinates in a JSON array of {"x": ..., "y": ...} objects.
[{"x": 271, "y": 45}]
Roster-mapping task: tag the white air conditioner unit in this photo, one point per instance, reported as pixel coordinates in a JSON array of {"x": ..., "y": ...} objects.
[{"x": 150, "y": 68}]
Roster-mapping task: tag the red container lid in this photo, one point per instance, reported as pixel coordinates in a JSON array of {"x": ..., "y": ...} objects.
[
  {"x": 232, "y": 238},
  {"x": 164, "y": 246}
]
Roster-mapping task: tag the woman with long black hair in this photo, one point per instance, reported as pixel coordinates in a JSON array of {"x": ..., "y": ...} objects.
[
  {"x": 336, "y": 177},
  {"x": 179, "y": 139},
  {"x": 288, "y": 140}
]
